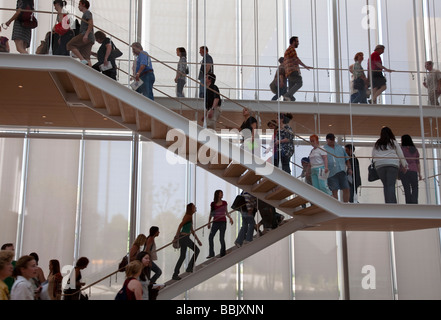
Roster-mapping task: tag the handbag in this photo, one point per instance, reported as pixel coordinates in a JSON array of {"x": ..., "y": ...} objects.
[
  {"x": 27, "y": 18},
  {"x": 116, "y": 53},
  {"x": 372, "y": 173},
  {"x": 238, "y": 202},
  {"x": 175, "y": 242},
  {"x": 123, "y": 264}
]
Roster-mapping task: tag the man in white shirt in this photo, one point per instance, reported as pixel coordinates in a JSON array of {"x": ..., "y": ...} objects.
[{"x": 432, "y": 82}]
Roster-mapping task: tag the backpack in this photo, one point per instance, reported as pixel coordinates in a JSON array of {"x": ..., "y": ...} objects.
[
  {"x": 238, "y": 203},
  {"x": 122, "y": 293}
]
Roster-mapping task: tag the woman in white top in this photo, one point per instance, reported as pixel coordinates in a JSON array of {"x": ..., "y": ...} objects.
[
  {"x": 25, "y": 269},
  {"x": 388, "y": 156},
  {"x": 319, "y": 166},
  {"x": 150, "y": 247}
]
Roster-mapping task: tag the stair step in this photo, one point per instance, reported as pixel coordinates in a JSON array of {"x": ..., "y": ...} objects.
[
  {"x": 96, "y": 96},
  {"x": 309, "y": 211},
  {"x": 279, "y": 194},
  {"x": 159, "y": 129},
  {"x": 234, "y": 170},
  {"x": 111, "y": 104},
  {"x": 293, "y": 203},
  {"x": 264, "y": 185},
  {"x": 128, "y": 113},
  {"x": 219, "y": 162},
  {"x": 80, "y": 87},
  {"x": 143, "y": 121},
  {"x": 249, "y": 178}
]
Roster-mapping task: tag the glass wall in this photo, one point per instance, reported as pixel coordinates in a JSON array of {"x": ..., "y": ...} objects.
[{"x": 11, "y": 184}]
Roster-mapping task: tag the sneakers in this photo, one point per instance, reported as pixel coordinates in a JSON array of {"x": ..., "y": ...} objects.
[
  {"x": 159, "y": 286},
  {"x": 85, "y": 62},
  {"x": 176, "y": 277}
]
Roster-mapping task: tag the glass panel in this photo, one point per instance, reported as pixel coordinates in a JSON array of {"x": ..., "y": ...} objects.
[
  {"x": 51, "y": 198},
  {"x": 369, "y": 266},
  {"x": 418, "y": 264},
  {"x": 224, "y": 284},
  {"x": 105, "y": 205},
  {"x": 162, "y": 202},
  {"x": 11, "y": 155},
  {"x": 316, "y": 274},
  {"x": 266, "y": 275}
]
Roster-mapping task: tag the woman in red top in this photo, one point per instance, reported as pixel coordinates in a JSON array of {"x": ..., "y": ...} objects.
[
  {"x": 132, "y": 284},
  {"x": 219, "y": 214}
]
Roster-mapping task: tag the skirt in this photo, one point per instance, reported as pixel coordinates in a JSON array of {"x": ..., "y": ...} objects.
[{"x": 20, "y": 33}]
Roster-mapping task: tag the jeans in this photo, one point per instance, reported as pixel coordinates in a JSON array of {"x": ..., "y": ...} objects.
[
  {"x": 180, "y": 87},
  {"x": 202, "y": 88},
  {"x": 295, "y": 82},
  {"x": 388, "y": 175},
  {"x": 359, "y": 97},
  {"x": 247, "y": 229},
  {"x": 410, "y": 185},
  {"x": 146, "y": 89},
  {"x": 157, "y": 272},
  {"x": 285, "y": 163},
  {"x": 185, "y": 242},
  {"x": 352, "y": 192},
  {"x": 280, "y": 92},
  {"x": 220, "y": 226}
]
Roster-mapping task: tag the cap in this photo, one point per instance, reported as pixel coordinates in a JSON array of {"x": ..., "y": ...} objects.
[{"x": 305, "y": 159}]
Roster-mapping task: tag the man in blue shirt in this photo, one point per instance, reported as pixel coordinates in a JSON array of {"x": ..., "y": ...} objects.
[
  {"x": 144, "y": 70},
  {"x": 338, "y": 159}
]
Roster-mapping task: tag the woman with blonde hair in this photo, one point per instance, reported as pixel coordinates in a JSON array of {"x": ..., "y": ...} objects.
[
  {"x": 136, "y": 246},
  {"x": 6, "y": 270},
  {"x": 132, "y": 288},
  {"x": 360, "y": 81}
]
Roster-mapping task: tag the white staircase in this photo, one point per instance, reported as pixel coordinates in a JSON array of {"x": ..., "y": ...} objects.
[{"x": 80, "y": 85}]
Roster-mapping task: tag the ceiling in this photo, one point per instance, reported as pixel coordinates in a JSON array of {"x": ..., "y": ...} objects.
[{"x": 32, "y": 99}]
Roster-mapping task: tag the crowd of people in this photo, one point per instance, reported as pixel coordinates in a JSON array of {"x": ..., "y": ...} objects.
[
  {"x": 25, "y": 280},
  {"x": 78, "y": 41},
  {"x": 333, "y": 168},
  {"x": 288, "y": 78}
]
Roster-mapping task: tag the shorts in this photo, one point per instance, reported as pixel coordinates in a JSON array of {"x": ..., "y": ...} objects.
[
  {"x": 78, "y": 43},
  {"x": 338, "y": 181},
  {"x": 378, "y": 80}
]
